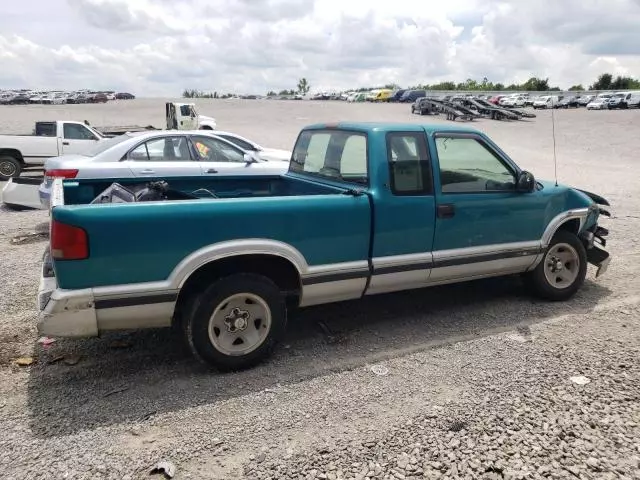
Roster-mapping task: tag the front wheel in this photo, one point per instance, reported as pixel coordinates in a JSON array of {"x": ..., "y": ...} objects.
[
  {"x": 562, "y": 270},
  {"x": 10, "y": 167},
  {"x": 236, "y": 322}
]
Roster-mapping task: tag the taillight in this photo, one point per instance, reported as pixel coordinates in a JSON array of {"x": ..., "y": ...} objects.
[
  {"x": 68, "y": 242},
  {"x": 61, "y": 173}
]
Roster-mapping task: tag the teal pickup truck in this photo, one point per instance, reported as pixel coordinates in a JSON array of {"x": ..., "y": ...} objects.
[{"x": 364, "y": 209}]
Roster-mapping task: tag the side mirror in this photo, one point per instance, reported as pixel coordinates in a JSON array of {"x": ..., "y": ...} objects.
[
  {"x": 526, "y": 182},
  {"x": 249, "y": 158}
]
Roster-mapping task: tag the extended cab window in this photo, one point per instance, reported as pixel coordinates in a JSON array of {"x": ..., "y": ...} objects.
[
  {"x": 162, "y": 149},
  {"x": 409, "y": 166},
  {"x": 333, "y": 154},
  {"x": 468, "y": 166},
  {"x": 73, "y": 131}
]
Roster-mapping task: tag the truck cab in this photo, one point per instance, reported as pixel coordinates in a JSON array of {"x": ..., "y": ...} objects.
[{"x": 183, "y": 116}]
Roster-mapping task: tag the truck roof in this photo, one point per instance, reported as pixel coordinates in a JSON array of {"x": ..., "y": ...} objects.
[{"x": 429, "y": 128}]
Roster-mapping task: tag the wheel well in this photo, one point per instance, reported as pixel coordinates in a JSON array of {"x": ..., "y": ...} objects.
[
  {"x": 10, "y": 152},
  {"x": 206, "y": 127},
  {"x": 572, "y": 226},
  {"x": 280, "y": 270}
]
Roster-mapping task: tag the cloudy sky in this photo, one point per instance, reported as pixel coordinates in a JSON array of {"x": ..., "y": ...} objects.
[{"x": 160, "y": 47}]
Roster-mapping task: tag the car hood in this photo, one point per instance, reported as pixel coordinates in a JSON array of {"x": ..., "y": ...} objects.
[{"x": 574, "y": 197}]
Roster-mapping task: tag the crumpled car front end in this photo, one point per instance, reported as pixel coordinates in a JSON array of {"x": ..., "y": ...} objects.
[{"x": 594, "y": 235}]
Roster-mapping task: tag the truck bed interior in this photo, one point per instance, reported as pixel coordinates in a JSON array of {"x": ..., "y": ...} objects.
[{"x": 79, "y": 192}]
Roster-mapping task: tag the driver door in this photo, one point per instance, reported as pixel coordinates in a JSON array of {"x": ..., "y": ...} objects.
[
  {"x": 77, "y": 139},
  {"x": 483, "y": 224}
]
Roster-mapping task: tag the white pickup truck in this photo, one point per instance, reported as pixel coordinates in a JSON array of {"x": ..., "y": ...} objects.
[
  {"x": 63, "y": 137},
  {"x": 49, "y": 139}
]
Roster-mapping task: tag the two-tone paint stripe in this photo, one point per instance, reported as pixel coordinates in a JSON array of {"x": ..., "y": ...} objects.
[
  {"x": 133, "y": 301},
  {"x": 421, "y": 265}
]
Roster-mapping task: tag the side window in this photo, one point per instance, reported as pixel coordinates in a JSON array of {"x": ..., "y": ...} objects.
[
  {"x": 73, "y": 131},
  {"x": 213, "y": 150},
  {"x": 45, "y": 129},
  {"x": 239, "y": 142},
  {"x": 468, "y": 166},
  {"x": 336, "y": 154},
  {"x": 164, "y": 149},
  {"x": 139, "y": 153},
  {"x": 185, "y": 110},
  {"x": 409, "y": 166}
]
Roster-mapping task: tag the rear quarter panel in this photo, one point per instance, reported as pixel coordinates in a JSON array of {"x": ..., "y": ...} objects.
[{"x": 144, "y": 242}]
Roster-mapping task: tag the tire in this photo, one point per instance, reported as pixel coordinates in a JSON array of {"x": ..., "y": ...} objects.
[
  {"x": 563, "y": 246},
  {"x": 10, "y": 167},
  {"x": 212, "y": 335}
]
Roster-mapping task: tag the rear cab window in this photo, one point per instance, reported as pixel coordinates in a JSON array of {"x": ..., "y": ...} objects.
[
  {"x": 409, "y": 164},
  {"x": 332, "y": 154}
]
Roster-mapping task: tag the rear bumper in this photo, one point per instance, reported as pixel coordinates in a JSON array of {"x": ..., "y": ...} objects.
[{"x": 66, "y": 313}]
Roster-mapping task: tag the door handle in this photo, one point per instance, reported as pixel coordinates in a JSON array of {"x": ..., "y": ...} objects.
[
  {"x": 446, "y": 210},
  {"x": 65, "y": 143},
  {"x": 147, "y": 171},
  {"x": 212, "y": 170}
]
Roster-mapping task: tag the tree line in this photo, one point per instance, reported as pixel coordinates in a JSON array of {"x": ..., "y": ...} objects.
[
  {"x": 605, "y": 81},
  {"x": 303, "y": 88}
]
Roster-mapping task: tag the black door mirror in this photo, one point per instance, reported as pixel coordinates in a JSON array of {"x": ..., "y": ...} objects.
[{"x": 526, "y": 182}]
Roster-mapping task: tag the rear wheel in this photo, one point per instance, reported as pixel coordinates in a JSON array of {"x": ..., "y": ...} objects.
[
  {"x": 562, "y": 270},
  {"x": 10, "y": 167},
  {"x": 236, "y": 322}
]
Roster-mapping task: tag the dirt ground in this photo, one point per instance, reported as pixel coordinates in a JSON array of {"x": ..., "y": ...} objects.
[{"x": 476, "y": 378}]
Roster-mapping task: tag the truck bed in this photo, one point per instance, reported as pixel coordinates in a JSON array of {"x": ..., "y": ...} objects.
[
  {"x": 157, "y": 236},
  {"x": 83, "y": 191}
]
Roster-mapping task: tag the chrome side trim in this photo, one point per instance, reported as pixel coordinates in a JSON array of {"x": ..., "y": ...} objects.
[
  {"x": 471, "y": 253},
  {"x": 402, "y": 263},
  {"x": 336, "y": 272},
  {"x": 400, "y": 272},
  {"x": 148, "y": 315},
  {"x": 579, "y": 213},
  {"x": 496, "y": 266},
  {"x": 217, "y": 251},
  {"x": 133, "y": 290},
  {"x": 333, "y": 291}
]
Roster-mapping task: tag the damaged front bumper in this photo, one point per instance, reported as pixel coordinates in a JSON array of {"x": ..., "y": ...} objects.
[{"x": 595, "y": 240}]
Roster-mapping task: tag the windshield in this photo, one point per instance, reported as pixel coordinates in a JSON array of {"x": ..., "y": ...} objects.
[
  {"x": 332, "y": 154},
  {"x": 104, "y": 145}
]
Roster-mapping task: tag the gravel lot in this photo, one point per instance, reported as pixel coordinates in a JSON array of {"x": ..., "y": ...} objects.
[{"x": 476, "y": 377}]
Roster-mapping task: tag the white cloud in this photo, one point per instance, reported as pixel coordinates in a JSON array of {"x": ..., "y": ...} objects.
[{"x": 159, "y": 47}]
